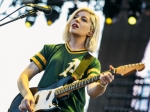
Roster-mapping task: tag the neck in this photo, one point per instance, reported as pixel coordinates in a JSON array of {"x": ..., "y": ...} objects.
[{"x": 77, "y": 43}]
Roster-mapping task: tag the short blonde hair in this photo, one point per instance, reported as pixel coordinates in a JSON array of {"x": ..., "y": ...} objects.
[{"x": 91, "y": 42}]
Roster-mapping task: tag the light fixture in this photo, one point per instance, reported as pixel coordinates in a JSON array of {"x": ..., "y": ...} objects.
[
  {"x": 132, "y": 20},
  {"x": 111, "y": 10},
  {"x": 109, "y": 20},
  {"x": 134, "y": 11},
  {"x": 30, "y": 20},
  {"x": 52, "y": 17},
  {"x": 56, "y": 10}
]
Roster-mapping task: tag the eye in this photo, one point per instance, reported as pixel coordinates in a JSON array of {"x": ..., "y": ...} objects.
[
  {"x": 74, "y": 17},
  {"x": 84, "y": 20}
]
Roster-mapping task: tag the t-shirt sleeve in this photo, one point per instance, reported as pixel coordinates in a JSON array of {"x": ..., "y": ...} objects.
[
  {"x": 40, "y": 58},
  {"x": 94, "y": 68}
]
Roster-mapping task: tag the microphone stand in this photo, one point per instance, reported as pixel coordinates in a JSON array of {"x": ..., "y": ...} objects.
[{"x": 31, "y": 12}]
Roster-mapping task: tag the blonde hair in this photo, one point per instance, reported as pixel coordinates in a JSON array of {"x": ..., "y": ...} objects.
[{"x": 91, "y": 42}]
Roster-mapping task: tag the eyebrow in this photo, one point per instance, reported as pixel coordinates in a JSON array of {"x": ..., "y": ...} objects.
[{"x": 82, "y": 16}]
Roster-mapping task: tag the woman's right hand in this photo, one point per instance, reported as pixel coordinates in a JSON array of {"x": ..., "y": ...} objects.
[{"x": 27, "y": 103}]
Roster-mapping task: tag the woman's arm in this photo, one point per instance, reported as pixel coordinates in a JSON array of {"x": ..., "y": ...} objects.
[
  {"x": 23, "y": 86},
  {"x": 97, "y": 88}
]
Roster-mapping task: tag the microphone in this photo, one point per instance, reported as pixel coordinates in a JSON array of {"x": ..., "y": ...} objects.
[{"x": 45, "y": 9}]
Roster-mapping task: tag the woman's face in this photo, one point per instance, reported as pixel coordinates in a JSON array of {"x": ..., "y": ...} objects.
[{"x": 80, "y": 25}]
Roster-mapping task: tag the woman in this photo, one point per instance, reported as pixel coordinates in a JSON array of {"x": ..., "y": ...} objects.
[{"x": 81, "y": 36}]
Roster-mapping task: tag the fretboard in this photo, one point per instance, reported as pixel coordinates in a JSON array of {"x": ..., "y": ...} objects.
[
  {"x": 76, "y": 85},
  {"x": 123, "y": 70}
]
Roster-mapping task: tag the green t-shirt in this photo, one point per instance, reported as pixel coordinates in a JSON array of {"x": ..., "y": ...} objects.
[{"x": 59, "y": 61}]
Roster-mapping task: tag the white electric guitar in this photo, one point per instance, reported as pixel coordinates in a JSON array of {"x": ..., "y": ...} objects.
[{"x": 47, "y": 99}]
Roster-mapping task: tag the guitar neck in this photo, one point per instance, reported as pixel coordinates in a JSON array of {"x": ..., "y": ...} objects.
[
  {"x": 122, "y": 70},
  {"x": 76, "y": 85}
]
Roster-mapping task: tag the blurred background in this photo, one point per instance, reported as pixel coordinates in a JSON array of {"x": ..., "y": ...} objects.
[{"x": 124, "y": 39}]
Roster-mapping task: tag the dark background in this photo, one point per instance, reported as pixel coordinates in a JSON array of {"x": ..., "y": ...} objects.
[{"x": 121, "y": 44}]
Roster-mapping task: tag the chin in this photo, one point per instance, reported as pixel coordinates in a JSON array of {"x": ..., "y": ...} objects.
[{"x": 72, "y": 32}]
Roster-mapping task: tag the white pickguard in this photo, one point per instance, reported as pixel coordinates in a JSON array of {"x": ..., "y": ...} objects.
[{"x": 42, "y": 102}]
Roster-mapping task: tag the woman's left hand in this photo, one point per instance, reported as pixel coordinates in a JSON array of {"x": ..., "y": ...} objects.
[{"x": 107, "y": 77}]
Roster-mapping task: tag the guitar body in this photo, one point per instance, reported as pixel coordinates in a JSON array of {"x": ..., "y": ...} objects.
[{"x": 43, "y": 104}]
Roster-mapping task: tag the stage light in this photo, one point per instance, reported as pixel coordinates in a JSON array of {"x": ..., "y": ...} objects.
[
  {"x": 49, "y": 22},
  {"x": 134, "y": 11},
  {"x": 133, "y": 17},
  {"x": 111, "y": 10},
  {"x": 108, "y": 21},
  {"x": 30, "y": 20},
  {"x": 132, "y": 20},
  {"x": 52, "y": 17},
  {"x": 56, "y": 10}
]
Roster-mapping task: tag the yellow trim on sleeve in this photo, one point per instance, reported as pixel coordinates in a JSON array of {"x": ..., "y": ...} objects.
[
  {"x": 93, "y": 74},
  {"x": 42, "y": 58},
  {"x": 94, "y": 70},
  {"x": 37, "y": 63}
]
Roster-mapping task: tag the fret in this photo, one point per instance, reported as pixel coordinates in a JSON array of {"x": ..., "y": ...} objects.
[
  {"x": 84, "y": 81},
  {"x": 81, "y": 83},
  {"x": 62, "y": 90},
  {"x": 72, "y": 86},
  {"x": 66, "y": 88},
  {"x": 76, "y": 84},
  {"x": 57, "y": 92},
  {"x": 87, "y": 80}
]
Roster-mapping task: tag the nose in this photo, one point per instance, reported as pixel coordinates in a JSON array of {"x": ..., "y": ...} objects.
[{"x": 77, "y": 19}]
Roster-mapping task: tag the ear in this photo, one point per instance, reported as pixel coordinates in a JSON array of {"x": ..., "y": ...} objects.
[{"x": 90, "y": 33}]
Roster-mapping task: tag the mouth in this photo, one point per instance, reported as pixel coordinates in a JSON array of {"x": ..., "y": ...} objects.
[{"x": 74, "y": 25}]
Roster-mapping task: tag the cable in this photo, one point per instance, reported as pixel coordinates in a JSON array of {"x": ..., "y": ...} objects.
[{"x": 12, "y": 13}]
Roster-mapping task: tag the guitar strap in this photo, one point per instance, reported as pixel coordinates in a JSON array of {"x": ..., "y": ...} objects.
[{"x": 79, "y": 71}]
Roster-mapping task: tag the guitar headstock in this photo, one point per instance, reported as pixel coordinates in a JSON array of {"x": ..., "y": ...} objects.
[{"x": 127, "y": 69}]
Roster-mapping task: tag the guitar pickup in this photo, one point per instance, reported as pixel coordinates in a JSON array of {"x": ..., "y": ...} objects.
[
  {"x": 48, "y": 95},
  {"x": 37, "y": 98}
]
